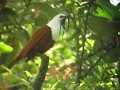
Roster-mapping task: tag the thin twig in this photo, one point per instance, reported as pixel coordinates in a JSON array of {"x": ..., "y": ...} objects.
[
  {"x": 85, "y": 30},
  {"x": 98, "y": 50},
  {"x": 17, "y": 86},
  {"x": 80, "y": 60},
  {"x": 100, "y": 58}
]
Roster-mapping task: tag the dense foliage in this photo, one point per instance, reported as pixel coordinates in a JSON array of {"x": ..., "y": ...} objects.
[{"x": 86, "y": 56}]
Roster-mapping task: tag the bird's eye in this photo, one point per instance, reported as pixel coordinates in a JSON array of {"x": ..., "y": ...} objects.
[{"x": 62, "y": 16}]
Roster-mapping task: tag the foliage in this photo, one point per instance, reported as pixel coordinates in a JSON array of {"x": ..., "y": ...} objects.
[{"x": 86, "y": 57}]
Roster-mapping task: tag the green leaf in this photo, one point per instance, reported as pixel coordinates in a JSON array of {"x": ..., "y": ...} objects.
[
  {"x": 7, "y": 16},
  {"x": 112, "y": 56},
  {"x": 44, "y": 8},
  {"x": 108, "y": 10},
  {"x": 4, "y": 69},
  {"x": 103, "y": 28},
  {"x": 4, "y": 48},
  {"x": 27, "y": 2},
  {"x": 54, "y": 85},
  {"x": 41, "y": 20},
  {"x": 28, "y": 74},
  {"x": 100, "y": 68}
]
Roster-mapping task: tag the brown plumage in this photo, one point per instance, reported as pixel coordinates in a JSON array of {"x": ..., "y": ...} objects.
[
  {"x": 36, "y": 45},
  {"x": 42, "y": 40}
]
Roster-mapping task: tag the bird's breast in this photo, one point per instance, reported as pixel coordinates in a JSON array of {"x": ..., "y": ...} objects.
[{"x": 56, "y": 32}]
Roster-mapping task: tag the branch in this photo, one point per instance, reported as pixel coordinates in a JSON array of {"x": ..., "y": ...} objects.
[
  {"x": 118, "y": 73},
  {"x": 79, "y": 62},
  {"x": 108, "y": 48},
  {"x": 37, "y": 84},
  {"x": 99, "y": 50},
  {"x": 17, "y": 86}
]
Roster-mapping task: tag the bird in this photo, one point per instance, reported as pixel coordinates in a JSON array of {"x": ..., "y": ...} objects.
[{"x": 42, "y": 40}]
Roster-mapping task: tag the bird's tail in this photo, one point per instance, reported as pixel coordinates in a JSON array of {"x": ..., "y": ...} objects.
[{"x": 17, "y": 59}]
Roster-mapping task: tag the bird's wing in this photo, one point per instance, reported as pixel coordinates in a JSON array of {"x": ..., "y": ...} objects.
[{"x": 38, "y": 37}]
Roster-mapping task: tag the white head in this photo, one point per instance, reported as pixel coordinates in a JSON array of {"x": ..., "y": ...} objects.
[{"x": 57, "y": 25}]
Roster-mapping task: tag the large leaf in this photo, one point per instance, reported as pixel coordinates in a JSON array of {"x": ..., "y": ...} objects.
[
  {"x": 4, "y": 48},
  {"x": 44, "y": 7},
  {"x": 107, "y": 10},
  {"x": 41, "y": 20},
  {"x": 7, "y": 16},
  {"x": 39, "y": 13},
  {"x": 103, "y": 28},
  {"x": 43, "y": 12},
  {"x": 112, "y": 56},
  {"x": 105, "y": 31}
]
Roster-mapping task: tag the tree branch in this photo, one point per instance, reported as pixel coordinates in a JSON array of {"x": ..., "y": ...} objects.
[{"x": 37, "y": 84}]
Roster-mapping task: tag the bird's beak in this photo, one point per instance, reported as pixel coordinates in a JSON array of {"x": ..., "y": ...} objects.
[
  {"x": 65, "y": 17},
  {"x": 63, "y": 21}
]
